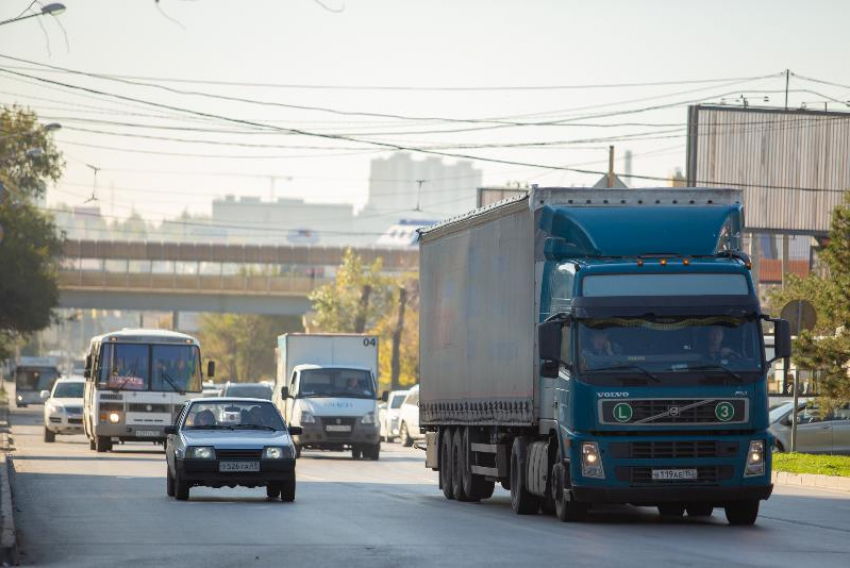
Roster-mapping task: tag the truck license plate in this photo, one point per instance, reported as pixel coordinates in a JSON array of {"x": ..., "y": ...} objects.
[
  {"x": 674, "y": 475},
  {"x": 148, "y": 433},
  {"x": 338, "y": 428},
  {"x": 239, "y": 466}
]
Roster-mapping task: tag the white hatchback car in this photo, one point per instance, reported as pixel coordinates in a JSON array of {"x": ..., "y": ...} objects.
[
  {"x": 63, "y": 408},
  {"x": 408, "y": 429},
  {"x": 389, "y": 415}
]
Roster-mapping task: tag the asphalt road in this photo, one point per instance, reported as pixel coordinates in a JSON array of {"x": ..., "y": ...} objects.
[{"x": 79, "y": 508}]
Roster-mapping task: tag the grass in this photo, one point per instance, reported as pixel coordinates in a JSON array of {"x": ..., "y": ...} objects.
[{"x": 808, "y": 463}]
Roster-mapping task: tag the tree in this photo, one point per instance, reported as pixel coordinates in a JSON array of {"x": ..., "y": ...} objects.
[
  {"x": 30, "y": 247},
  {"x": 827, "y": 347}
]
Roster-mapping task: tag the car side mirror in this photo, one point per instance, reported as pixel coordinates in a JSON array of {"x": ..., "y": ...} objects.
[
  {"x": 210, "y": 369},
  {"x": 781, "y": 339},
  {"x": 385, "y": 396},
  {"x": 786, "y": 421},
  {"x": 45, "y": 394},
  {"x": 170, "y": 430},
  {"x": 295, "y": 430},
  {"x": 284, "y": 392}
]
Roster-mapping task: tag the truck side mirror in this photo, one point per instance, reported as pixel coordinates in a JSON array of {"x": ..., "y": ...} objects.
[
  {"x": 284, "y": 392},
  {"x": 385, "y": 396},
  {"x": 781, "y": 339},
  {"x": 210, "y": 369}
]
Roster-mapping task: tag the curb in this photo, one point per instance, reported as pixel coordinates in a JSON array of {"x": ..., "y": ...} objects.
[
  {"x": 812, "y": 480},
  {"x": 8, "y": 534}
]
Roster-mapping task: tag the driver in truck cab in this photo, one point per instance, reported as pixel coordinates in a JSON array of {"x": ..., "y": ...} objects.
[{"x": 716, "y": 350}]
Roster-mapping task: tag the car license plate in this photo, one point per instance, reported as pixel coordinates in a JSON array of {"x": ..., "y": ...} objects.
[
  {"x": 338, "y": 428},
  {"x": 239, "y": 466},
  {"x": 674, "y": 475},
  {"x": 148, "y": 433}
]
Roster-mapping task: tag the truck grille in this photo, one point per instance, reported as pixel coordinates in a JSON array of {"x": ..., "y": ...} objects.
[
  {"x": 673, "y": 450},
  {"x": 706, "y": 475},
  {"x": 236, "y": 454},
  {"x": 651, "y": 412},
  {"x": 143, "y": 407}
]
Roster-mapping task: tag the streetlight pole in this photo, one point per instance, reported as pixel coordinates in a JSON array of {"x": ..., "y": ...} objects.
[{"x": 49, "y": 10}]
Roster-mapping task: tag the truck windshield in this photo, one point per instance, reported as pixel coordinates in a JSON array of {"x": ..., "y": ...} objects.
[
  {"x": 35, "y": 379},
  {"x": 127, "y": 366},
  {"x": 670, "y": 350},
  {"x": 343, "y": 383}
]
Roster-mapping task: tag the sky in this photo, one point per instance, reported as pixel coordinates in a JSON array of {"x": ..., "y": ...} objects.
[{"x": 456, "y": 77}]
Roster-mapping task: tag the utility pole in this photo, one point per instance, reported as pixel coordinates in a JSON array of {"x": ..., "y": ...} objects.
[
  {"x": 610, "y": 167},
  {"x": 787, "y": 83},
  {"x": 419, "y": 183}
]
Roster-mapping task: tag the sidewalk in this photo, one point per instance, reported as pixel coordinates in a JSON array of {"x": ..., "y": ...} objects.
[{"x": 8, "y": 534}]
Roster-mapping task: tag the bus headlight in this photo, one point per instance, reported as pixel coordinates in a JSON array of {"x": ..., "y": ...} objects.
[
  {"x": 755, "y": 459},
  {"x": 200, "y": 453},
  {"x": 114, "y": 417},
  {"x": 591, "y": 461}
]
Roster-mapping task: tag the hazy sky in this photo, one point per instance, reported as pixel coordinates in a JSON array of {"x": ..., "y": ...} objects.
[{"x": 394, "y": 43}]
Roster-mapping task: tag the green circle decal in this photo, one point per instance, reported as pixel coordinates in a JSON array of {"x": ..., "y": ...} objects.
[
  {"x": 622, "y": 412},
  {"x": 724, "y": 411}
]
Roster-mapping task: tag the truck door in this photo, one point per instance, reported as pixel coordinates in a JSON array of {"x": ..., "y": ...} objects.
[{"x": 289, "y": 403}]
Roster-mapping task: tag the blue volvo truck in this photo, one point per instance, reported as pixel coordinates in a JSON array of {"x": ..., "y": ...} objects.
[{"x": 588, "y": 346}]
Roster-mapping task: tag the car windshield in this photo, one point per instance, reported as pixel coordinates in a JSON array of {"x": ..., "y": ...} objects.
[
  {"x": 249, "y": 391},
  {"x": 233, "y": 415},
  {"x": 28, "y": 379},
  {"x": 344, "y": 383},
  {"x": 68, "y": 390},
  {"x": 127, "y": 366},
  {"x": 397, "y": 400},
  {"x": 780, "y": 411},
  {"x": 670, "y": 350}
]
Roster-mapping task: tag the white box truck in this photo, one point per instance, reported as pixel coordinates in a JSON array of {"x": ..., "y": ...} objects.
[{"x": 326, "y": 384}]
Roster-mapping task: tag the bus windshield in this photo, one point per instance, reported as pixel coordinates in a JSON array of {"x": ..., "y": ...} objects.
[
  {"x": 140, "y": 367},
  {"x": 35, "y": 379}
]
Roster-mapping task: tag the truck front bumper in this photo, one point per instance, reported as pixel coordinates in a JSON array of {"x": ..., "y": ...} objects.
[
  {"x": 317, "y": 436},
  {"x": 655, "y": 495}
]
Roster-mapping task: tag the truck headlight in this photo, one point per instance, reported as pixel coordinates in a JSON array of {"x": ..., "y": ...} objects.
[
  {"x": 307, "y": 418},
  {"x": 755, "y": 459},
  {"x": 200, "y": 453},
  {"x": 276, "y": 453},
  {"x": 591, "y": 461},
  {"x": 368, "y": 419}
]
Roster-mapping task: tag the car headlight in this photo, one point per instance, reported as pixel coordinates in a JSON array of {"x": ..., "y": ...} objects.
[
  {"x": 755, "y": 459},
  {"x": 55, "y": 409},
  {"x": 591, "y": 460},
  {"x": 200, "y": 453},
  {"x": 278, "y": 453},
  {"x": 307, "y": 418},
  {"x": 368, "y": 419}
]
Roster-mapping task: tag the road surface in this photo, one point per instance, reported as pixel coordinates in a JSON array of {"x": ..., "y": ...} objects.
[{"x": 79, "y": 508}]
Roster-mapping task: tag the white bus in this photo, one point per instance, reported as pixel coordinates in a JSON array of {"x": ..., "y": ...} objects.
[{"x": 136, "y": 382}]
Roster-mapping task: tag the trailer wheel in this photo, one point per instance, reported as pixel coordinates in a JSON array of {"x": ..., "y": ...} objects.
[
  {"x": 742, "y": 513},
  {"x": 458, "y": 466},
  {"x": 446, "y": 463},
  {"x": 522, "y": 502},
  {"x": 476, "y": 487}
]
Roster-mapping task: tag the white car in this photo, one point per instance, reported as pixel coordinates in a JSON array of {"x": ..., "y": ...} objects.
[
  {"x": 389, "y": 415},
  {"x": 63, "y": 408},
  {"x": 408, "y": 429}
]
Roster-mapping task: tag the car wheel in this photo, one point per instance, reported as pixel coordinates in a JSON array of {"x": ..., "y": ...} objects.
[
  {"x": 181, "y": 488},
  {"x": 169, "y": 482},
  {"x": 671, "y": 510},
  {"x": 49, "y": 436},
  {"x": 103, "y": 444},
  {"x": 777, "y": 448},
  {"x": 445, "y": 462},
  {"x": 273, "y": 490},
  {"x": 699, "y": 509},
  {"x": 356, "y": 452},
  {"x": 742, "y": 513},
  {"x": 287, "y": 491},
  {"x": 92, "y": 445},
  {"x": 372, "y": 452},
  {"x": 404, "y": 434}
]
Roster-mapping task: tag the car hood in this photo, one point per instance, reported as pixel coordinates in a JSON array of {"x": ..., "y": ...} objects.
[
  {"x": 338, "y": 406},
  {"x": 254, "y": 439},
  {"x": 66, "y": 401}
]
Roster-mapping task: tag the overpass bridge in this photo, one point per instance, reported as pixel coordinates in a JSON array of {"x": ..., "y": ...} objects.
[{"x": 195, "y": 277}]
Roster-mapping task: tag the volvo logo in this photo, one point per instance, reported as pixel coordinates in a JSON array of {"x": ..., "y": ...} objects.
[
  {"x": 673, "y": 411},
  {"x": 149, "y": 408}
]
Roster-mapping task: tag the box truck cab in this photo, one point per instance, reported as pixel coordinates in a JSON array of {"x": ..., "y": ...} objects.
[{"x": 326, "y": 385}]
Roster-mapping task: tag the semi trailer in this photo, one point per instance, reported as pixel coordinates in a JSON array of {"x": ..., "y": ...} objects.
[{"x": 587, "y": 346}]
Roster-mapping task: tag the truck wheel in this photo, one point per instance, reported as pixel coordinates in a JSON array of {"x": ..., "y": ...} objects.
[
  {"x": 742, "y": 513},
  {"x": 287, "y": 491},
  {"x": 404, "y": 434},
  {"x": 458, "y": 466},
  {"x": 476, "y": 487},
  {"x": 671, "y": 510},
  {"x": 49, "y": 435},
  {"x": 272, "y": 490},
  {"x": 181, "y": 489},
  {"x": 699, "y": 509},
  {"x": 169, "y": 482},
  {"x": 522, "y": 502},
  {"x": 446, "y": 463},
  {"x": 103, "y": 444},
  {"x": 566, "y": 511}
]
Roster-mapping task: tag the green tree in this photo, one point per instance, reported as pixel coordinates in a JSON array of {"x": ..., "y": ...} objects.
[
  {"x": 28, "y": 156},
  {"x": 827, "y": 347}
]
